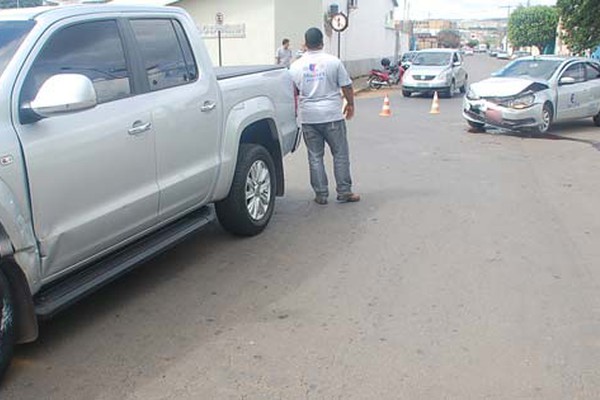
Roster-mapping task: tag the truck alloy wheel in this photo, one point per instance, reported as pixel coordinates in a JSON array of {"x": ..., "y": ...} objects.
[
  {"x": 247, "y": 209},
  {"x": 7, "y": 326},
  {"x": 258, "y": 190}
]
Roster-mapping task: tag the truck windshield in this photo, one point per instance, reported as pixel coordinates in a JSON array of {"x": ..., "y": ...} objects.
[
  {"x": 537, "y": 69},
  {"x": 12, "y": 34}
]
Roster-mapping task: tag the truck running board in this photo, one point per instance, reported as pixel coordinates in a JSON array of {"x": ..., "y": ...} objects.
[{"x": 58, "y": 295}]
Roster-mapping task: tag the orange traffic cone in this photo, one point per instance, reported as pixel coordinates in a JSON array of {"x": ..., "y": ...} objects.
[
  {"x": 386, "y": 111},
  {"x": 435, "y": 105}
]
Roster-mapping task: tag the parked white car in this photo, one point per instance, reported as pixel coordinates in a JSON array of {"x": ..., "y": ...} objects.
[
  {"x": 534, "y": 92},
  {"x": 434, "y": 70}
]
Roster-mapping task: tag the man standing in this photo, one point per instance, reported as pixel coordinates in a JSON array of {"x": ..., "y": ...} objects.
[
  {"x": 319, "y": 78},
  {"x": 283, "y": 56}
]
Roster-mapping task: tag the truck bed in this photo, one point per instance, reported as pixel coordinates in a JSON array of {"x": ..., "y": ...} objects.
[{"x": 236, "y": 71}]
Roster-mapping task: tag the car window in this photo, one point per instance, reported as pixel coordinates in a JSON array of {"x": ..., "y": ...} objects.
[
  {"x": 12, "y": 34},
  {"x": 536, "y": 68},
  {"x": 93, "y": 49},
  {"x": 576, "y": 72},
  {"x": 433, "y": 59},
  {"x": 167, "y": 56},
  {"x": 592, "y": 71}
]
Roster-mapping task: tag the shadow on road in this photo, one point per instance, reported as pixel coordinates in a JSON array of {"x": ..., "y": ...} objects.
[{"x": 571, "y": 131}]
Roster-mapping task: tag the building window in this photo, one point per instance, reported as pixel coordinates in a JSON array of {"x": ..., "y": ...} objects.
[{"x": 352, "y": 4}]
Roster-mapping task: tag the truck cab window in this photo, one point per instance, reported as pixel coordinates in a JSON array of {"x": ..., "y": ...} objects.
[
  {"x": 166, "y": 55},
  {"x": 93, "y": 49}
]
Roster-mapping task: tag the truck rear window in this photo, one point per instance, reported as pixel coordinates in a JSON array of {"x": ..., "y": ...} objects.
[{"x": 12, "y": 34}]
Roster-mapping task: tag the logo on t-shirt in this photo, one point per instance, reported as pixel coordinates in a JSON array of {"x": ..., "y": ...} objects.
[{"x": 314, "y": 73}]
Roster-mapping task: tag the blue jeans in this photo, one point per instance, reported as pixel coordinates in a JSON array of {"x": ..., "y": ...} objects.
[{"x": 334, "y": 134}]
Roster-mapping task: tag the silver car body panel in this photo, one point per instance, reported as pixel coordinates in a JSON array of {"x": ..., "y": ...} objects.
[
  {"x": 574, "y": 101},
  {"x": 127, "y": 186},
  {"x": 426, "y": 78}
]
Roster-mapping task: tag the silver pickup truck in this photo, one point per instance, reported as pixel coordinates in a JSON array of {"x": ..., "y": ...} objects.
[{"x": 117, "y": 137}]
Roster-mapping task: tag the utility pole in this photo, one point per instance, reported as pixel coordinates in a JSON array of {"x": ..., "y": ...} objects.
[{"x": 508, "y": 8}]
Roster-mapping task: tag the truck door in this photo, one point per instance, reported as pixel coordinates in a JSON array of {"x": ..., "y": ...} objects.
[
  {"x": 92, "y": 177},
  {"x": 573, "y": 96},
  {"x": 185, "y": 114}
]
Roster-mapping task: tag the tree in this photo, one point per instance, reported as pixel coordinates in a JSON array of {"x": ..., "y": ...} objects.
[
  {"x": 21, "y": 3},
  {"x": 448, "y": 38},
  {"x": 533, "y": 26},
  {"x": 580, "y": 20},
  {"x": 473, "y": 43}
]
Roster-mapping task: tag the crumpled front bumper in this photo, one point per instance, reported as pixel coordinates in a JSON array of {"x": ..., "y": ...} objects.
[{"x": 488, "y": 113}]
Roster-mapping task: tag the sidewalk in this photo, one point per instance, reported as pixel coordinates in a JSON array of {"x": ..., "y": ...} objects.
[{"x": 360, "y": 84}]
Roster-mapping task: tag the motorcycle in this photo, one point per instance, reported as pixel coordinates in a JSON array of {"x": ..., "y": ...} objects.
[{"x": 389, "y": 76}]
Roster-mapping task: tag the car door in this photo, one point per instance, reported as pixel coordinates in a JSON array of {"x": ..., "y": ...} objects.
[
  {"x": 458, "y": 70},
  {"x": 592, "y": 74},
  {"x": 185, "y": 114},
  {"x": 573, "y": 96},
  {"x": 92, "y": 179}
]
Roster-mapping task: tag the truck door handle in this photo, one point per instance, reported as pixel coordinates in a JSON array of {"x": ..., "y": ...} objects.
[
  {"x": 139, "y": 127},
  {"x": 208, "y": 106}
]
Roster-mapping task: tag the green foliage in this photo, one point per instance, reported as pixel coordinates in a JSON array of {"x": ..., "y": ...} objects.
[
  {"x": 473, "y": 43},
  {"x": 533, "y": 26},
  {"x": 581, "y": 22},
  {"x": 449, "y": 39},
  {"x": 21, "y": 3}
]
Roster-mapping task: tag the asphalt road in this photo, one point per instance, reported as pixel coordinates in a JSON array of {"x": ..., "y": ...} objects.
[{"x": 468, "y": 271}]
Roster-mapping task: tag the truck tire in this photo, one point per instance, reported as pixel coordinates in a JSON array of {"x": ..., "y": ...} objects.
[
  {"x": 597, "y": 119},
  {"x": 248, "y": 207},
  {"x": 7, "y": 325}
]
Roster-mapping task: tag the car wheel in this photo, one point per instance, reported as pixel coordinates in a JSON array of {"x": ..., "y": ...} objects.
[
  {"x": 7, "y": 325},
  {"x": 597, "y": 119},
  {"x": 406, "y": 93},
  {"x": 476, "y": 125},
  {"x": 463, "y": 88},
  {"x": 248, "y": 208},
  {"x": 451, "y": 90},
  {"x": 547, "y": 116}
]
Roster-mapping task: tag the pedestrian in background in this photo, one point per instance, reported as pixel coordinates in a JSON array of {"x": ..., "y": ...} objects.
[
  {"x": 283, "y": 56},
  {"x": 320, "y": 80}
]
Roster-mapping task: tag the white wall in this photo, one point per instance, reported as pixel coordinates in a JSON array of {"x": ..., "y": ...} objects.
[
  {"x": 294, "y": 17},
  {"x": 259, "y": 45},
  {"x": 366, "y": 40}
]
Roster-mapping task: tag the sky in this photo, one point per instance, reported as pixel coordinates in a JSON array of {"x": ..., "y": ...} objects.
[{"x": 466, "y": 9}]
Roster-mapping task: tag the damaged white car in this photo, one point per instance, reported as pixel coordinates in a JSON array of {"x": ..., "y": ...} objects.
[{"x": 534, "y": 92}]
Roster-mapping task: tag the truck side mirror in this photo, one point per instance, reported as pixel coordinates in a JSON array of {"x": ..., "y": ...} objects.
[{"x": 62, "y": 94}]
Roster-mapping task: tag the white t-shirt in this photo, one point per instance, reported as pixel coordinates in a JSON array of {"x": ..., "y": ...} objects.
[
  {"x": 319, "y": 77},
  {"x": 284, "y": 56}
]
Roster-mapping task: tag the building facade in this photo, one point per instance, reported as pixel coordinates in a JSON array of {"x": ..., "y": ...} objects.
[{"x": 255, "y": 28}]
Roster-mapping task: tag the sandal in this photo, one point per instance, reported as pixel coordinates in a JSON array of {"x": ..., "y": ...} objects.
[{"x": 348, "y": 198}]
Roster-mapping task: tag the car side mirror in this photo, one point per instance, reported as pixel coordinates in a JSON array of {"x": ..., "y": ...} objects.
[
  {"x": 63, "y": 94},
  {"x": 457, "y": 63},
  {"x": 567, "y": 80}
]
